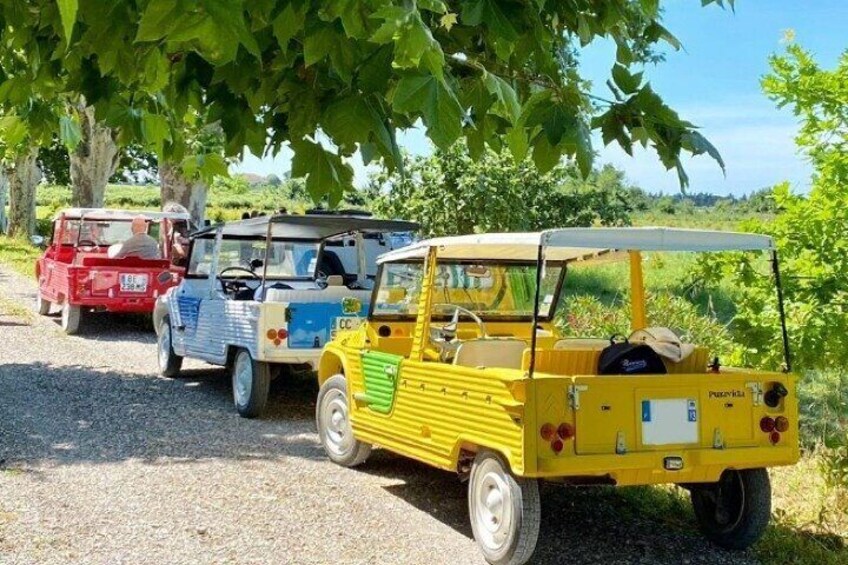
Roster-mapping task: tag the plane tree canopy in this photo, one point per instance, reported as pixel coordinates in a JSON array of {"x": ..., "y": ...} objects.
[{"x": 352, "y": 72}]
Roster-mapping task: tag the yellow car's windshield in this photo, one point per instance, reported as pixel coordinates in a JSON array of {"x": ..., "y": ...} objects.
[{"x": 490, "y": 290}]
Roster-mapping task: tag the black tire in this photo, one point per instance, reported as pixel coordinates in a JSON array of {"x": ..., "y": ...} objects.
[
  {"x": 251, "y": 383},
  {"x": 71, "y": 318},
  {"x": 332, "y": 417},
  {"x": 169, "y": 362},
  {"x": 42, "y": 305},
  {"x": 505, "y": 511},
  {"x": 735, "y": 511}
]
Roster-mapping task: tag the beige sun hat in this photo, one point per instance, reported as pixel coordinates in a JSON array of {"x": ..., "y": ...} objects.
[{"x": 664, "y": 341}]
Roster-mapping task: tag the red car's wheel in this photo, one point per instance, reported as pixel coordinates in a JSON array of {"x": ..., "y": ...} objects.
[
  {"x": 71, "y": 317},
  {"x": 42, "y": 305}
]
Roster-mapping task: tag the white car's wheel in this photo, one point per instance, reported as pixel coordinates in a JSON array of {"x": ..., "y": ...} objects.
[
  {"x": 71, "y": 317},
  {"x": 333, "y": 420},
  {"x": 169, "y": 362},
  {"x": 505, "y": 511},
  {"x": 42, "y": 305},
  {"x": 251, "y": 383}
]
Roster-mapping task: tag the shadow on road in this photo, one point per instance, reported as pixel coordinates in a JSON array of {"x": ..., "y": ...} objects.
[
  {"x": 72, "y": 414},
  {"x": 106, "y": 326},
  {"x": 647, "y": 525}
]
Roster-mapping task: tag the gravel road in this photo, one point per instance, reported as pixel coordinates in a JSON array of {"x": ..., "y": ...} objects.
[{"x": 102, "y": 461}]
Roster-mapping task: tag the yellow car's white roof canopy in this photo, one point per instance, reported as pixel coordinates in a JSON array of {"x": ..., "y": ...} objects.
[{"x": 574, "y": 244}]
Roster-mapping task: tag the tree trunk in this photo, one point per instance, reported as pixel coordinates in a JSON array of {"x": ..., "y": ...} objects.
[
  {"x": 4, "y": 192},
  {"x": 186, "y": 192},
  {"x": 93, "y": 161},
  {"x": 23, "y": 179}
]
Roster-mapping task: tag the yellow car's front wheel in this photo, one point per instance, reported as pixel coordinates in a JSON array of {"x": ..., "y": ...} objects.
[
  {"x": 332, "y": 418},
  {"x": 505, "y": 511}
]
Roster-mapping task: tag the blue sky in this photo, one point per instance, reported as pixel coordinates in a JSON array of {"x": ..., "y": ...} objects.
[{"x": 714, "y": 83}]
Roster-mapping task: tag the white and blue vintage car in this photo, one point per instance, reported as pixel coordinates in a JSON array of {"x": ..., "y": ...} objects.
[{"x": 266, "y": 292}]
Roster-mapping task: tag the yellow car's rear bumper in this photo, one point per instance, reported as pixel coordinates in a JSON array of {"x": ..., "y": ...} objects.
[{"x": 648, "y": 468}]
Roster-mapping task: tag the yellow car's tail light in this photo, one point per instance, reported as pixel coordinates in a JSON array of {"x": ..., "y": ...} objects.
[
  {"x": 565, "y": 431},
  {"x": 548, "y": 431},
  {"x": 767, "y": 424}
]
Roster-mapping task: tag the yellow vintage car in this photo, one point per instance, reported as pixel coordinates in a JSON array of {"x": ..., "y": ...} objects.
[{"x": 459, "y": 366}]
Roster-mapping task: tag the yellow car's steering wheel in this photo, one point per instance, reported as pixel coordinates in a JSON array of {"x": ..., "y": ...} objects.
[{"x": 442, "y": 338}]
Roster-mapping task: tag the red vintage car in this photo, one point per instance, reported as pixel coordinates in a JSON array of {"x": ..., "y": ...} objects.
[{"x": 83, "y": 269}]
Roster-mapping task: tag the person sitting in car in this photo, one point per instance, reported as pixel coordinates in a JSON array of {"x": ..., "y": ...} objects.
[{"x": 138, "y": 245}]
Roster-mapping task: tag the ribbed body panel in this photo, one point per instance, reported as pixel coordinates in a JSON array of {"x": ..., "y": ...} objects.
[{"x": 436, "y": 412}]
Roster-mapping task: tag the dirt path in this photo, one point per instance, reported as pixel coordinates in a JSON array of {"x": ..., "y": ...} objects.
[{"x": 101, "y": 461}]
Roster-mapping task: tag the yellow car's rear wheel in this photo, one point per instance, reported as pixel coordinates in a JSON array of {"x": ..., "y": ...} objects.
[
  {"x": 505, "y": 511},
  {"x": 734, "y": 512}
]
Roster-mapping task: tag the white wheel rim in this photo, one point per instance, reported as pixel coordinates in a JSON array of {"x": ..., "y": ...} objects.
[
  {"x": 66, "y": 315},
  {"x": 492, "y": 507},
  {"x": 334, "y": 421},
  {"x": 243, "y": 379},
  {"x": 165, "y": 346}
]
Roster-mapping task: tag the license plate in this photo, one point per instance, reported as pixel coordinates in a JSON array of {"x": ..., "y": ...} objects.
[
  {"x": 669, "y": 421},
  {"x": 345, "y": 324},
  {"x": 133, "y": 283}
]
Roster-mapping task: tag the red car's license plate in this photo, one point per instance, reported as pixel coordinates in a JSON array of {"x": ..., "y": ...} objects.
[{"x": 133, "y": 283}]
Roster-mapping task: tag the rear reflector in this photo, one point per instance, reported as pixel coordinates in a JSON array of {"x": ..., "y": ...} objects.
[
  {"x": 547, "y": 432},
  {"x": 781, "y": 424},
  {"x": 557, "y": 445}
]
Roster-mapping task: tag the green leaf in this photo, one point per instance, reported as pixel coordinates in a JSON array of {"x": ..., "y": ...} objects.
[
  {"x": 348, "y": 121},
  {"x": 650, "y": 7},
  {"x": 317, "y": 45},
  {"x": 507, "y": 105},
  {"x": 628, "y": 83},
  {"x": 324, "y": 171},
  {"x": 516, "y": 139},
  {"x": 13, "y": 130},
  {"x": 212, "y": 165},
  {"x": 414, "y": 44},
  {"x": 585, "y": 155},
  {"x": 491, "y": 14},
  {"x": 160, "y": 17},
  {"x": 545, "y": 155},
  {"x": 623, "y": 54},
  {"x": 70, "y": 133},
  {"x": 289, "y": 23},
  {"x": 68, "y": 12},
  {"x": 697, "y": 144},
  {"x": 228, "y": 16},
  {"x": 155, "y": 131},
  {"x": 557, "y": 119},
  {"x": 354, "y": 15},
  {"x": 413, "y": 40},
  {"x": 435, "y": 102}
]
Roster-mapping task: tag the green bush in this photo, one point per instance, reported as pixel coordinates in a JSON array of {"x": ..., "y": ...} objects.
[{"x": 823, "y": 398}]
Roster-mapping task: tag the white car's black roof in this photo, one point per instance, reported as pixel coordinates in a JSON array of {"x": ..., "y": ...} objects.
[{"x": 306, "y": 227}]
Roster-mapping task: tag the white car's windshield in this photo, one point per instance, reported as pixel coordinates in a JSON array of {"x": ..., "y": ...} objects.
[{"x": 286, "y": 259}]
